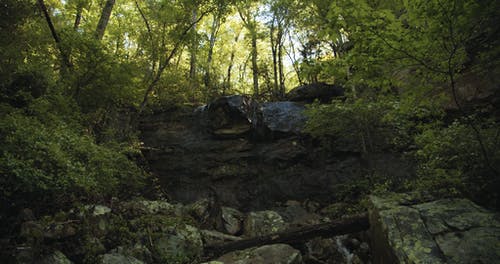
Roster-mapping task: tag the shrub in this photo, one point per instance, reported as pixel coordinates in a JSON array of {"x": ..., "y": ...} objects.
[
  {"x": 451, "y": 161},
  {"x": 358, "y": 125},
  {"x": 55, "y": 163}
]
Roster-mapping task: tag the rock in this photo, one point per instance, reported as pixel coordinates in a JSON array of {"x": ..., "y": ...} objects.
[
  {"x": 115, "y": 258},
  {"x": 232, "y": 220},
  {"x": 141, "y": 207},
  {"x": 263, "y": 223},
  {"x": 283, "y": 117},
  {"x": 324, "y": 250},
  {"x": 407, "y": 230},
  {"x": 309, "y": 92},
  {"x": 60, "y": 230},
  {"x": 93, "y": 246},
  {"x": 100, "y": 210},
  {"x": 212, "y": 237},
  {"x": 37, "y": 230},
  {"x": 254, "y": 170},
  {"x": 182, "y": 244},
  {"x": 289, "y": 150},
  {"x": 138, "y": 251},
  {"x": 335, "y": 210},
  {"x": 297, "y": 216},
  {"x": 56, "y": 257},
  {"x": 199, "y": 209},
  {"x": 269, "y": 254},
  {"x": 229, "y": 116}
]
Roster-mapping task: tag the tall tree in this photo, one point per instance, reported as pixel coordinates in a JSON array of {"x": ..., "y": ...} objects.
[
  {"x": 278, "y": 26},
  {"x": 193, "y": 50},
  {"x": 165, "y": 38},
  {"x": 219, "y": 12},
  {"x": 66, "y": 63},
  {"x": 104, "y": 19},
  {"x": 248, "y": 13}
]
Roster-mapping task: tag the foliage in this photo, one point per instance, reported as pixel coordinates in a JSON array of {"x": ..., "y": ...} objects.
[
  {"x": 45, "y": 159},
  {"x": 357, "y": 124},
  {"x": 451, "y": 162}
]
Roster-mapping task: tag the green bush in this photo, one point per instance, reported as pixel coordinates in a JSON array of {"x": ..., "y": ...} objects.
[
  {"x": 45, "y": 160},
  {"x": 357, "y": 125},
  {"x": 452, "y": 162}
]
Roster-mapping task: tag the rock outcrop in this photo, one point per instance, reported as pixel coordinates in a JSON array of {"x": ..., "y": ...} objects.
[
  {"x": 249, "y": 155},
  {"x": 406, "y": 230},
  {"x": 320, "y": 91}
]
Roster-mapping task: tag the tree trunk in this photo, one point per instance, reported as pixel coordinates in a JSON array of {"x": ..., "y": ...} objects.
[
  {"x": 229, "y": 69},
  {"x": 192, "y": 61},
  {"x": 275, "y": 60},
  {"x": 353, "y": 224},
  {"x": 279, "y": 42},
  {"x": 165, "y": 62},
  {"x": 213, "y": 34},
  {"x": 293, "y": 59},
  {"x": 255, "y": 69},
  {"x": 78, "y": 17},
  {"x": 251, "y": 25},
  {"x": 104, "y": 19},
  {"x": 66, "y": 64}
]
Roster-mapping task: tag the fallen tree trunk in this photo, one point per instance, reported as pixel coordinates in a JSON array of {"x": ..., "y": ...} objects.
[{"x": 349, "y": 225}]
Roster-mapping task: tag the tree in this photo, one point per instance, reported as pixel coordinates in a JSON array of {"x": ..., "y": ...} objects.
[
  {"x": 248, "y": 12},
  {"x": 158, "y": 29},
  {"x": 218, "y": 15},
  {"x": 64, "y": 54},
  {"x": 104, "y": 19}
]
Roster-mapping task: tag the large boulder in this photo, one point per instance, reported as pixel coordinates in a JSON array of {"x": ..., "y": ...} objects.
[
  {"x": 321, "y": 91},
  {"x": 229, "y": 116},
  {"x": 406, "y": 230},
  {"x": 269, "y": 254},
  {"x": 283, "y": 117},
  {"x": 182, "y": 244}
]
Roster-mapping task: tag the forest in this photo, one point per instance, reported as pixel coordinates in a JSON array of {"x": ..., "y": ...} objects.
[{"x": 100, "y": 102}]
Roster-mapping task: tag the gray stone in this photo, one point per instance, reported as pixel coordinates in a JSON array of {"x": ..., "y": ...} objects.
[
  {"x": 324, "y": 250},
  {"x": 263, "y": 223},
  {"x": 115, "y": 258},
  {"x": 229, "y": 116},
  {"x": 141, "y": 207},
  {"x": 57, "y": 257},
  {"x": 406, "y": 230},
  {"x": 309, "y": 92},
  {"x": 212, "y": 237},
  {"x": 285, "y": 117},
  {"x": 269, "y": 254},
  {"x": 181, "y": 244},
  {"x": 138, "y": 251},
  {"x": 233, "y": 220}
]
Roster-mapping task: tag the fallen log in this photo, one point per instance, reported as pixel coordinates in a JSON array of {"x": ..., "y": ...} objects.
[{"x": 352, "y": 224}]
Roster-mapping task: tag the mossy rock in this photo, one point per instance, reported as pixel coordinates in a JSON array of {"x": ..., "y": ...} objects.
[
  {"x": 269, "y": 254},
  {"x": 263, "y": 223},
  {"x": 409, "y": 229},
  {"x": 116, "y": 258},
  {"x": 182, "y": 244}
]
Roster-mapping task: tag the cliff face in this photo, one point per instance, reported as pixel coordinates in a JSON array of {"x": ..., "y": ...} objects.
[{"x": 250, "y": 155}]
